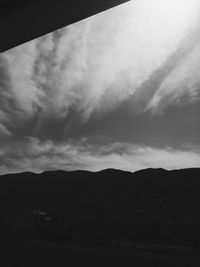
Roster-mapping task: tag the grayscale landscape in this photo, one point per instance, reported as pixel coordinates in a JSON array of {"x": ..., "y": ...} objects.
[{"x": 100, "y": 141}]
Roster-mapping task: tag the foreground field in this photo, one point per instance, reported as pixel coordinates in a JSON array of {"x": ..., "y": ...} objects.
[
  {"x": 35, "y": 253},
  {"x": 86, "y": 217}
]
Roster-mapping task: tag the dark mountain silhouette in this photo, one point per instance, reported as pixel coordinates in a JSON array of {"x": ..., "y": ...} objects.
[{"x": 153, "y": 205}]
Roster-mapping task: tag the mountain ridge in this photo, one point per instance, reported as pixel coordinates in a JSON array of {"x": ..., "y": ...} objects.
[
  {"x": 100, "y": 171},
  {"x": 143, "y": 205}
]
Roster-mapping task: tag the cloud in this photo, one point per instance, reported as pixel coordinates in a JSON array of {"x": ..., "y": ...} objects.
[
  {"x": 144, "y": 52},
  {"x": 95, "y": 64},
  {"x": 21, "y": 84},
  {"x": 182, "y": 85},
  {"x": 4, "y": 131},
  {"x": 37, "y": 156}
]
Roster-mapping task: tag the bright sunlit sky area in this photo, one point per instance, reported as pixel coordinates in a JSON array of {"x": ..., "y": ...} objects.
[{"x": 120, "y": 89}]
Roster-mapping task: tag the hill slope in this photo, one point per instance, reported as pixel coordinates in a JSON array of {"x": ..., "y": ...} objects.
[{"x": 151, "y": 204}]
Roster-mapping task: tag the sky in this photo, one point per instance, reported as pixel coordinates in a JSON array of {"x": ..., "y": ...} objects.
[{"x": 120, "y": 89}]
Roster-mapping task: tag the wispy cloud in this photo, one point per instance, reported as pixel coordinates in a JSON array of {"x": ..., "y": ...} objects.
[
  {"x": 35, "y": 155},
  {"x": 4, "y": 131},
  {"x": 89, "y": 68},
  {"x": 98, "y": 62},
  {"x": 182, "y": 85}
]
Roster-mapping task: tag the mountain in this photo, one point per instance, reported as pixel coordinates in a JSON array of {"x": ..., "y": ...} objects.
[
  {"x": 52, "y": 187},
  {"x": 151, "y": 204}
]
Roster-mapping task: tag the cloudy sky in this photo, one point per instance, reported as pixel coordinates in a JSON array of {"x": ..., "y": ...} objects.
[{"x": 120, "y": 89}]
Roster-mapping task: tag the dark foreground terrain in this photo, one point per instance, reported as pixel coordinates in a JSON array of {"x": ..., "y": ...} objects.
[
  {"x": 35, "y": 253},
  {"x": 108, "y": 218}
]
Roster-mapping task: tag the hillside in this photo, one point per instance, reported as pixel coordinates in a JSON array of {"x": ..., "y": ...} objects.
[{"x": 110, "y": 206}]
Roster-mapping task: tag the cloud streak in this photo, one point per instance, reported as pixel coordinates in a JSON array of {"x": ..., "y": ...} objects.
[
  {"x": 38, "y": 156},
  {"x": 182, "y": 85},
  {"x": 81, "y": 72},
  {"x": 97, "y": 62}
]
